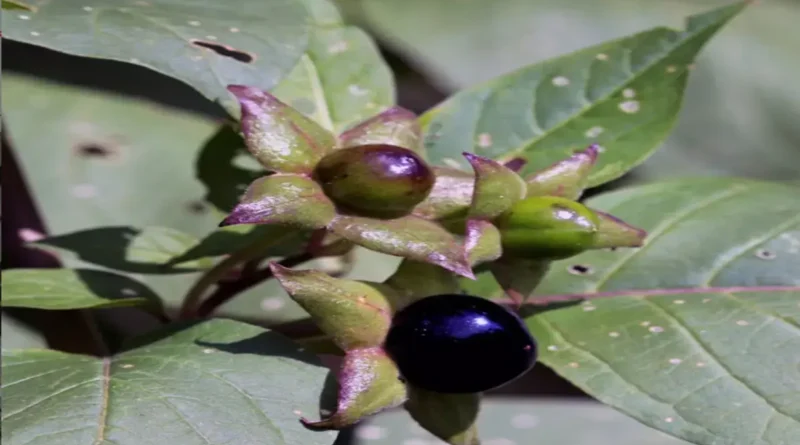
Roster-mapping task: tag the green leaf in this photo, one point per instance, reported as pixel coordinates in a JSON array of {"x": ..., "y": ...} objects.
[
  {"x": 408, "y": 237},
  {"x": 354, "y": 314},
  {"x": 280, "y": 137},
  {"x": 206, "y": 45},
  {"x": 106, "y": 160},
  {"x": 217, "y": 382},
  {"x": 623, "y": 94},
  {"x": 17, "y": 335},
  {"x": 58, "y": 289},
  {"x": 145, "y": 251},
  {"x": 342, "y": 78},
  {"x": 14, "y": 4},
  {"x": 450, "y": 417},
  {"x": 507, "y": 420},
  {"x": 698, "y": 332},
  {"x": 497, "y": 188},
  {"x": 369, "y": 382},
  {"x": 284, "y": 199}
]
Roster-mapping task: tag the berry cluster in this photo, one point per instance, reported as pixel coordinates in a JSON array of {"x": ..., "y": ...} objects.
[{"x": 415, "y": 338}]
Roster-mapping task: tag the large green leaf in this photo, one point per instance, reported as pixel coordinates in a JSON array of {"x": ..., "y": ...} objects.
[
  {"x": 698, "y": 332},
  {"x": 206, "y": 44},
  {"x": 524, "y": 421},
  {"x": 71, "y": 289},
  {"x": 737, "y": 113},
  {"x": 213, "y": 383},
  {"x": 342, "y": 78},
  {"x": 623, "y": 94}
]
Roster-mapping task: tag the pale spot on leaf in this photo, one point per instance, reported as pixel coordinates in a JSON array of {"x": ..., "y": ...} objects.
[
  {"x": 84, "y": 191},
  {"x": 613, "y": 334},
  {"x": 679, "y": 301},
  {"x": 552, "y": 348},
  {"x": 644, "y": 324},
  {"x": 211, "y": 37},
  {"x": 371, "y": 432},
  {"x": 669, "y": 420},
  {"x": 193, "y": 23},
  {"x": 630, "y": 106},
  {"x": 602, "y": 56},
  {"x": 629, "y": 93},
  {"x": 35, "y": 34},
  {"x": 560, "y": 81},
  {"x": 675, "y": 361},
  {"x": 24, "y": 17},
  {"x": 234, "y": 30},
  {"x": 524, "y": 421},
  {"x": 672, "y": 69},
  {"x": 272, "y": 303},
  {"x": 338, "y": 47},
  {"x": 742, "y": 322},
  {"x": 765, "y": 254},
  {"x": 573, "y": 365},
  {"x": 499, "y": 441},
  {"x": 127, "y": 366},
  {"x": 88, "y": 8},
  {"x": 656, "y": 329},
  {"x": 208, "y": 351},
  {"x": 594, "y": 132},
  {"x": 484, "y": 140},
  {"x": 356, "y": 90}
]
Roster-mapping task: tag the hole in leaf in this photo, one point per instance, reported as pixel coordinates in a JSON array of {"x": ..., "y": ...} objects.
[
  {"x": 225, "y": 51},
  {"x": 580, "y": 269},
  {"x": 196, "y": 207},
  {"x": 95, "y": 150},
  {"x": 765, "y": 254}
]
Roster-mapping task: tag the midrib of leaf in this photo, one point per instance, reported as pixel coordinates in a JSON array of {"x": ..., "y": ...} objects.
[
  {"x": 634, "y": 76},
  {"x": 318, "y": 92},
  {"x": 102, "y": 418}
]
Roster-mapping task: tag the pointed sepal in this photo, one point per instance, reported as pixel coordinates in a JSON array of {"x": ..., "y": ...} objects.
[
  {"x": 369, "y": 382},
  {"x": 281, "y": 138},
  {"x": 567, "y": 178},
  {"x": 354, "y": 314},
  {"x": 497, "y": 188},
  {"x": 482, "y": 241},
  {"x": 519, "y": 277},
  {"x": 450, "y": 417},
  {"x": 395, "y": 126},
  {"x": 450, "y": 198},
  {"x": 408, "y": 237},
  {"x": 284, "y": 199},
  {"x": 414, "y": 280},
  {"x": 613, "y": 232}
]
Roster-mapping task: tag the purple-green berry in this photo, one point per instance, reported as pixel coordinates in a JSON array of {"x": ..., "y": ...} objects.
[
  {"x": 547, "y": 227},
  {"x": 376, "y": 180}
]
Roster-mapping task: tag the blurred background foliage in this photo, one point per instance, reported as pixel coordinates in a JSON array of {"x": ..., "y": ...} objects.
[{"x": 741, "y": 107}]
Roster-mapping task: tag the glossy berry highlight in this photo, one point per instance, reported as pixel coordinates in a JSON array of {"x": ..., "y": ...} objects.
[
  {"x": 454, "y": 343},
  {"x": 376, "y": 180}
]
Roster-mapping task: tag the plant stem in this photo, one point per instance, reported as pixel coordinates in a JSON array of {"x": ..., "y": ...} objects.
[
  {"x": 216, "y": 273},
  {"x": 226, "y": 291}
]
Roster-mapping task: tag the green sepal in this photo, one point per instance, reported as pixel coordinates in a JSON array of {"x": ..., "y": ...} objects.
[
  {"x": 613, "y": 232},
  {"x": 567, "y": 178},
  {"x": 450, "y": 417},
  {"x": 497, "y": 188},
  {"x": 450, "y": 198},
  {"x": 414, "y": 280},
  {"x": 395, "y": 126},
  {"x": 482, "y": 241},
  {"x": 519, "y": 277},
  {"x": 353, "y": 314},
  {"x": 281, "y": 138},
  {"x": 369, "y": 382},
  {"x": 285, "y": 199}
]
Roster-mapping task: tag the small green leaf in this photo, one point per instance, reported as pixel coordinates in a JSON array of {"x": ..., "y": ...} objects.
[
  {"x": 566, "y": 178},
  {"x": 408, "y": 237},
  {"x": 368, "y": 383},
  {"x": 142, "y": 251},
  {"x": 291, "y": 200},
  {"x": 280, "y": 137},
  {"x": 216, "y": 383},
  {"x": 60, "y": 289},
  {"x": 413, "y": 280},
  {"x": 696, "y": 333},
  {"x": 450, "y": 417},
  {"x": 483, "y": 242},
  {"x": 229, "y": 239},
  {"x": 354, "y": 314},
  {"x": 342, "y": 78},
  {"x": 395, "y": 126},
  {"x": 497, "y": 188},
  {"x": 450, "y": 197},
  {"x": 201, "y": 44},
  {"x": 624, "y": 94}
]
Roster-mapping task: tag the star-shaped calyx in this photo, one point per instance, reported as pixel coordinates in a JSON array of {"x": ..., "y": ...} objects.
[
  {"x": 516, "y": 227},
  {"x": 363, "y": 185},
  {"x": 356, "y": 316}
]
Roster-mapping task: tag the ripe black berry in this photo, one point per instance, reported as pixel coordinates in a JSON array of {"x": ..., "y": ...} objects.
[
  {"x": 376, "y": 180},
  {"x": 459, "y": 344}
]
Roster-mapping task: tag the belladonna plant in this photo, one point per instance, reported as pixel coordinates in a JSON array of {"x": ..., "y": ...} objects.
[{"x": 371, "y": 186}]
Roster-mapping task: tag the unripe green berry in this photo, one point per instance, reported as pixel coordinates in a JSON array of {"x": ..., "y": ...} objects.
[
  {"x": 547, "y": 227},
  {"x": 377, "y": 180}
]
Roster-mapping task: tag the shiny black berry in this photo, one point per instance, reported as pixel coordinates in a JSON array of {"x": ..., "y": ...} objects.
[
  {"x": 459, "y": 344},
  {"x": 377, "y": 180}
]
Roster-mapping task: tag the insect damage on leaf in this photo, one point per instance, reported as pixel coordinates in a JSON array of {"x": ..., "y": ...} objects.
[{"x": 226, "y": 51}]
